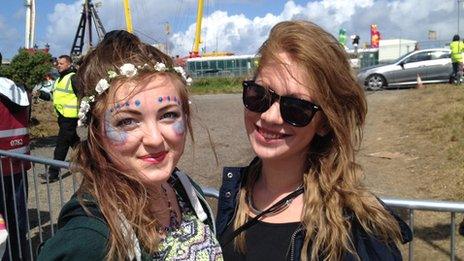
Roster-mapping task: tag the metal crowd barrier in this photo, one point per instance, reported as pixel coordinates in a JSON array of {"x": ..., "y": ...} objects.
[{"x": 41, "y": 220}]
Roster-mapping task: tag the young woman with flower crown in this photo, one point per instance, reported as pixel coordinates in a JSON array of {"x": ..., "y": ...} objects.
[
  {"x": 133, "y": 203},
  {"x": 302, "y": 197}
]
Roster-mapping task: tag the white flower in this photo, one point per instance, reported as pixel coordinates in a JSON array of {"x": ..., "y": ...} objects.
[
  {"x": 160, "y": 67},
  {"x": 112, "y": 74},
  {"x": 102, "y": 85},
  {"x": 80, "y": 122},
  {"x": 180, "y": 71},
  {"x": 128, "y": 70},
  {"x": 84, "y": 108},
  {"x": 189, "y": 81}
]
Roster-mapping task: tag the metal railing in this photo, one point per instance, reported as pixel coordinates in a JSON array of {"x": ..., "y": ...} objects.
[{"x": 411, "y": 205}]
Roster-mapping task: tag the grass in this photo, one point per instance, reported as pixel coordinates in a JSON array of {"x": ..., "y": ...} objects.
[
  {"x": 215, "y": 85},
  {"x": 433, "y": 121}
]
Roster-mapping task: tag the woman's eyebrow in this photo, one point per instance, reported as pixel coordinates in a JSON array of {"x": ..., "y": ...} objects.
[
  {"x": 126, "y": 110},
  {"x": 169, "y": 106}
]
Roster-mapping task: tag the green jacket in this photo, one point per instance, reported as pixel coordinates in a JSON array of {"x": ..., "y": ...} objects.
[{"x": 84, "y": 237}]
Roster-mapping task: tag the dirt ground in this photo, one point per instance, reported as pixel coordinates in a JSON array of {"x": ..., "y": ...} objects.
[{"x": 401, "y": 155}]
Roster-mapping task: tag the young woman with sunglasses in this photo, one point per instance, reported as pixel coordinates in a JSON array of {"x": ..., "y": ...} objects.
[
  {"x": 301, "y": 198},
  {"x": 133, "y": 203}
]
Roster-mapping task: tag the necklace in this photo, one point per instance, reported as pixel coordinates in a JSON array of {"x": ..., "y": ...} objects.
[
  {"x": 279, "y": 209},
  {"x": 173, "y": 222}
]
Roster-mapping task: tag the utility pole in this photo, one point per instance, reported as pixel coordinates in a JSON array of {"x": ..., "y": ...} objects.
[
  {"x": 167, "y": 30},
  {"x": 459, "y": 15},
  {"x": 30, "y": 24}
]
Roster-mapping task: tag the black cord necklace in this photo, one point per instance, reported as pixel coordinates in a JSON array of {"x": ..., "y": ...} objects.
[
  {"x": 272, "y": 209},
  {"x": 284, "y": 206}
]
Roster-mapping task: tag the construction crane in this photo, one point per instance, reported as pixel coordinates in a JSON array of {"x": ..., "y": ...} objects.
[
  {"x": 128, "y": 16},
  {"x": 88, "y": 14},
  {"x": 196, "y": 43}
]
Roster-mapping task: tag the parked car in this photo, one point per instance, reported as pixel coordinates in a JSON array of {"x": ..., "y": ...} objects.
[{"x": 432, "y": 65}]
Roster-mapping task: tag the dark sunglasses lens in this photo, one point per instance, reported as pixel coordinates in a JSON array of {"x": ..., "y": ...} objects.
[
  {"x": 255, "y": 97},
  {"x": 296, "y": 112}
]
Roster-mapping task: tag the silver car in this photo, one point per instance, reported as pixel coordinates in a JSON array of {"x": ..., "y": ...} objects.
[{"x": 432, "y": 65}]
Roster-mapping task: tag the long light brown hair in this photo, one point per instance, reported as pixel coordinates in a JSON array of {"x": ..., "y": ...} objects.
[
  {"x": 116, "y": 191},
  {"x": 332, "y": 179}
]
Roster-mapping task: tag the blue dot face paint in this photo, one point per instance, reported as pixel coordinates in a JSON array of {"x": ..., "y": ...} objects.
[
  {"x": 137, "y": 103},
  {"x": 179, "y": 127},
  {"x": 114, "y": 134},
  {"x": 162, "y": 99}
]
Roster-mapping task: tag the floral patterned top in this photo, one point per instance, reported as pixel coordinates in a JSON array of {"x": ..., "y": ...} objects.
[{"x": 192, "y": 240}]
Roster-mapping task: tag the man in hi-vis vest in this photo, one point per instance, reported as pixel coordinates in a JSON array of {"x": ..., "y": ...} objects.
[
  {"x": 66, "y": 107},
  {"x": 457, "y": 47}
]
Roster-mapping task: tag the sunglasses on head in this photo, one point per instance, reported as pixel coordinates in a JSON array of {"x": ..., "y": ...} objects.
[{"x": 294, "y": 111}]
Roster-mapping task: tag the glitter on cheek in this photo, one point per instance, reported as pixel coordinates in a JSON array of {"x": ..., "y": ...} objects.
[
  {"x": 115, "y": 135},
  {"x": 179, "y": 127}
]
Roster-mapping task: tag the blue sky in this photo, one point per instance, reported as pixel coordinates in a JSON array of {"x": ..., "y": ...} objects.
[{"x": 238, "y": 26}]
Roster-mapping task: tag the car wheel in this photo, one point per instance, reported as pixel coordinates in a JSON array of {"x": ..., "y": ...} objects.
[{"x": 375, "y": 82}]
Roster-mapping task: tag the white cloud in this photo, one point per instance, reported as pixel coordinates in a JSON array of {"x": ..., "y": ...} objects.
[
  {"x": 10, "y": 39},
  {"x": 62, "y": 28},
  {"x": 240, "y": 34}
]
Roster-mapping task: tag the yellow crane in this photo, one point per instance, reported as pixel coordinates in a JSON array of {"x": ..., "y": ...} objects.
[
  {"x": 128, "y": 16},
  {"x": 197, "y": 41}
]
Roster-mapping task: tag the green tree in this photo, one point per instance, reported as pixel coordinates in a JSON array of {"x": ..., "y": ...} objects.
[{"x": 28, "y": 68}]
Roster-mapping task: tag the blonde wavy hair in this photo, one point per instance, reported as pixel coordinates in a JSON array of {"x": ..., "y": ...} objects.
[
  {"x": 332, "y": 179},
  {"x": 117, "y": 191}
]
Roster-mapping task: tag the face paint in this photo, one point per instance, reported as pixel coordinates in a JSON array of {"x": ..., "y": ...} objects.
[
  {"x": 179, "y": 127},
  {"x": 137, "y": 103},
  {"x": 115, "y": 135},
  {"x": 169, "y": 99}
]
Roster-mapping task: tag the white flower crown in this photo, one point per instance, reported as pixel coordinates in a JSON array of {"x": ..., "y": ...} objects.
[{"x": 128, "y": 70}]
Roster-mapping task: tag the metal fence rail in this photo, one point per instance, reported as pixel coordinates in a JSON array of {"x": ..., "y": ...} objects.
[{"x": 39, "y": 229}]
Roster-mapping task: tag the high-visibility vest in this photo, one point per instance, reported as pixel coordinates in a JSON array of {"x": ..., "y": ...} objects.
[
  {"x": 457, "y": 47},
  {"x": 14, "y": 137},
  {"x": 64, "y": 99}
]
